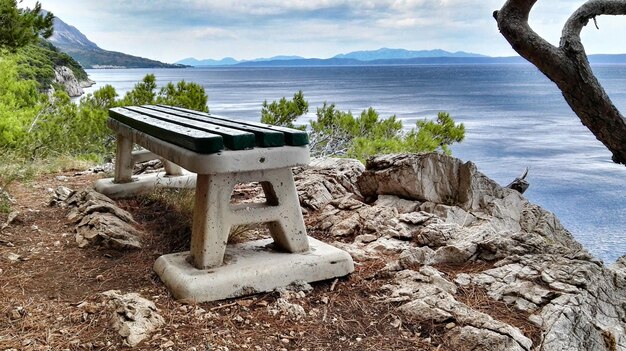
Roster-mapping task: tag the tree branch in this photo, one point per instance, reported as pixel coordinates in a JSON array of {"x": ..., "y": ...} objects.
[{"x": 567, "y": 66}]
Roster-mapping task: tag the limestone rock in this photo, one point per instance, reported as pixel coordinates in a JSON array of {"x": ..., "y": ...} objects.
[
  {"x": 428, "y": 177},
  {"x": 619, "y": 266},
  {"x": 100, "y": 222},
  {"x": 132, "y": 316},
  {"x": 414, "y": 257},
  {"x": 13, "y": 215},
  {"x": 401, "y": 205},
  {"x": 431, "y": 299},
  {"x": 107, "y": 230},
  {"x": 567, "y": 296},
  {"x": 386, "y": 246},
  {"x": 327, "y": 179},
  {"x": 472, "y": 338},
  {"x": 64, "y": 76},
  {"x": 436, "y": 210},
  {"x": 60, "y": 196},
  {"x": 293, "y": 310}
]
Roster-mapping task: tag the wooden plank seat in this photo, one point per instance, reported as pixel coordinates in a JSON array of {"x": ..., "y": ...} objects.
[{"x": 213, "y": 154}]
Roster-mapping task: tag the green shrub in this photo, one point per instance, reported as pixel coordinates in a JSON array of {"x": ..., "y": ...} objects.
[
  {"x": 183, "y": 94},
  {"x": 285, "y": 112},
  {"x": 339, "y": 133},
  {"x": 19, "y": 103}
]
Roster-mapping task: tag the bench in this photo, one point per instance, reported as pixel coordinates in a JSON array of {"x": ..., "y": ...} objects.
[{"x": 212, "y": 154}]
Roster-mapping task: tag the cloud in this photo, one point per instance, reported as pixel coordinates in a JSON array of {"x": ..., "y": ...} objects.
[
  {"x": 311, "y": 28},
  {"x": 211, "y": 33}
]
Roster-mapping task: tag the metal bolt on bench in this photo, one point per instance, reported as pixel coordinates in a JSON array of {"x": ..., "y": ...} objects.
[{"x": 222, "y": 153}]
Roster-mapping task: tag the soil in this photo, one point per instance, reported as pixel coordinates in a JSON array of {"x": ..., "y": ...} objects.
[{"x": 44, "y": 289}]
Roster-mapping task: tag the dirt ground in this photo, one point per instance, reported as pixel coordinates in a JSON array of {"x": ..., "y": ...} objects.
[{"x": 45, "y": 279}]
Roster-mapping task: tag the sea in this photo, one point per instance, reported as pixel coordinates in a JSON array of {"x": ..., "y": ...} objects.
[{"x": 514, "y": 118}]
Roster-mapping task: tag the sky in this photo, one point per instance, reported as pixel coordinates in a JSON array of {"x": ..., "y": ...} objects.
[{"x": 169, "y": 30}]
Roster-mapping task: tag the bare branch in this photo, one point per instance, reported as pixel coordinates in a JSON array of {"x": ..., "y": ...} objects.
[
  {"x": 568, "y": 67},
  {"x": 590, "y": 10}
]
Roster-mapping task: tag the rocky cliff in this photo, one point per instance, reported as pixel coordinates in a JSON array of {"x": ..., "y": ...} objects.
[
  {"x": 466, "y": 257},
  {"x": 65, "y": 77}
]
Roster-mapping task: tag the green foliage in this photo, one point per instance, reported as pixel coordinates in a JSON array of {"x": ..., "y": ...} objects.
[
  {"x": 339, "y": 133},
  {"x": 437, "y": 135},
  {"x": 101, "y": 99},
  {"x": 143, "y": 93},
  {"x": 35, "y": 127},
  {"x": 336, "y": 132},
  {"x": 64, "y": 128},
  {"x": 37, "y": 62},
  {"x": 183, "y": 94},
  {"x": 18, "y": 103},
  {"x": 20, "y": 27},
  {"x": 284, "y": 112}
]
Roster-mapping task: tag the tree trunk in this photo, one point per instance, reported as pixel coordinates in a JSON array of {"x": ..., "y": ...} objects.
[{"x": 568, "y": 67}]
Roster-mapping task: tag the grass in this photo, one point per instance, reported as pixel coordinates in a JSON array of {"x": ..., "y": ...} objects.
[{"x": 15, "y": 168}]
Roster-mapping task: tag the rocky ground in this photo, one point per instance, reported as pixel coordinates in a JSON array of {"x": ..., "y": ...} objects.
[{"x": 445, "y": 260}]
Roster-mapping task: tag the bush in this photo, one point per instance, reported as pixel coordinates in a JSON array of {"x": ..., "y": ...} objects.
[
  {"x": 285, "y": 112},
  {"x": 183, "y": 94},
  {"x": 35, "y": 126},
  {"x": 339, "y": 133},
  {"x": 19, "y": 103}
]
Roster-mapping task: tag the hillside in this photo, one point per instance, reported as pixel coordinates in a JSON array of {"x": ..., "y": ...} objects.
[
  {"x": 71, "y": 41},
  {"x": 39, "y": 61}
]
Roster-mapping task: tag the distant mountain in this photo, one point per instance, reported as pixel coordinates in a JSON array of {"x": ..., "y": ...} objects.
[
  {"x": 411, "y": 61},
  {"x": 279, "y": 58},
  {"x": 226, "y": 61},
  {"x": 69, "y": 36},
  {"x": 387, "y": 54},
  {"x": 74, "y": 43},
  {"x": 343, "y": 59}
]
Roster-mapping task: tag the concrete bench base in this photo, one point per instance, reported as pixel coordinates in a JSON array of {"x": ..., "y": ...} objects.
[
  {"x": 144, "y": 183},
  {"x": 249, "y": 268}
]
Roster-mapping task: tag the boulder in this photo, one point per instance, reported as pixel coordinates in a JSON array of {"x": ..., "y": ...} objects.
[
  {"x": 133, "y": 317},
  {"x": 100, "y": 222},
  {"x": 327, "y": 179},
  {"x": 428, "y": 177}
]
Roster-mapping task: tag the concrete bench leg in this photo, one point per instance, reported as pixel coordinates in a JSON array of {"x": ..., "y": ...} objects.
[
  {"x": 214, "y": 216},
  {"x": 288, "y": 231},
  {"x": 123, "y": 160},
  {"x": 211, "y": 224}
]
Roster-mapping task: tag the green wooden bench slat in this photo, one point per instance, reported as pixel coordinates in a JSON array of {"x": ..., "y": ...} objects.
[
  {"x": 234, "y": 139},
  {"x": 293, "y": 137},
  {"x": 264, "y": 137},
  {"x": 193, "y": 139}
]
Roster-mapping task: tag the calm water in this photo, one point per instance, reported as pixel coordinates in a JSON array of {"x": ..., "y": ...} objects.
[{"x": 514, "y": 118}]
